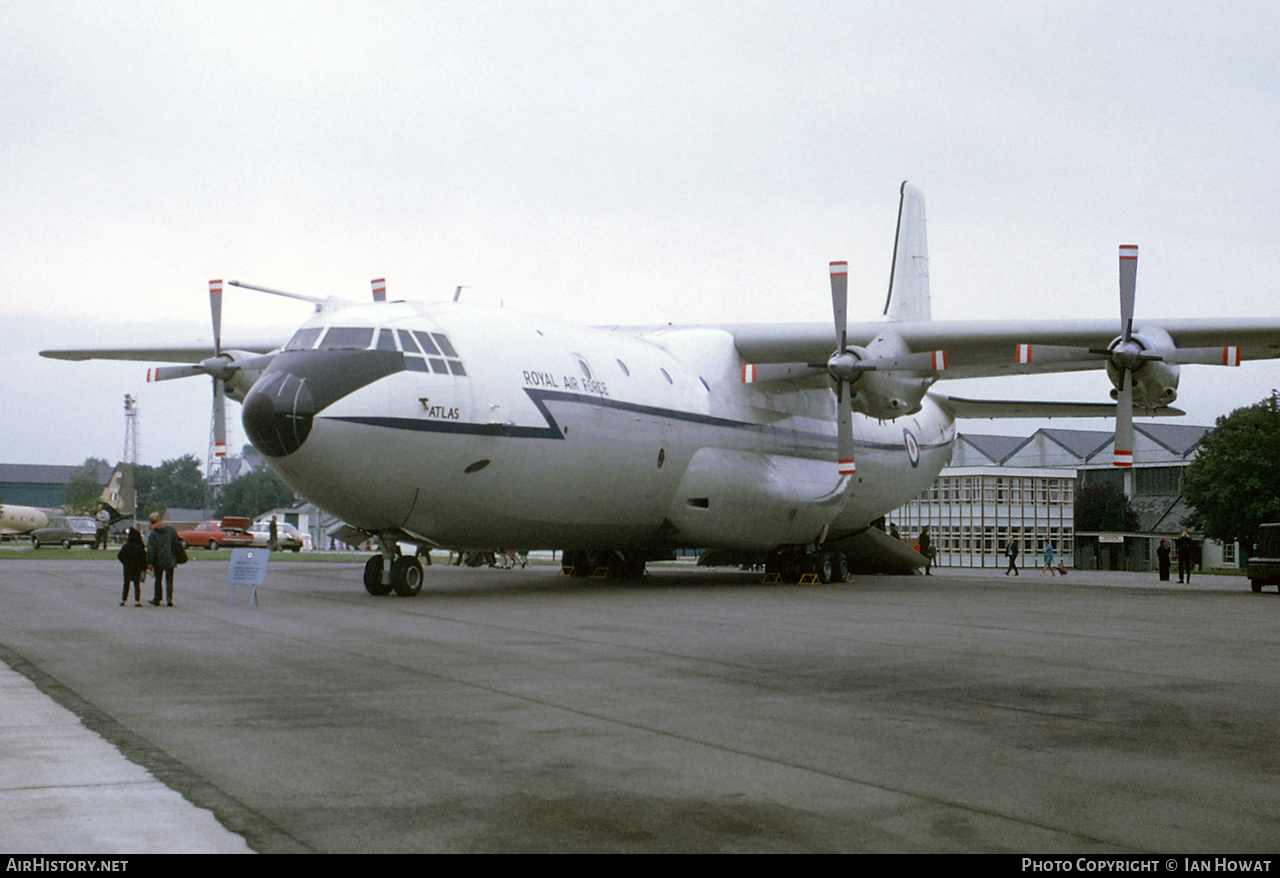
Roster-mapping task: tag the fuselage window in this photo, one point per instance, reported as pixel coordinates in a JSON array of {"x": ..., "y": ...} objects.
[
  {"x": 348, "y": 338},
  {"x": 585, "y": 370},
  {"x": 665, "y": 375},
  {"x": 623, "y": 367},
  {"x": 304, "y": 339}
]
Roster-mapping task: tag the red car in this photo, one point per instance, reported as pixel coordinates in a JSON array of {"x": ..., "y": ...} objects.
[{"x": 212, "y": 534}]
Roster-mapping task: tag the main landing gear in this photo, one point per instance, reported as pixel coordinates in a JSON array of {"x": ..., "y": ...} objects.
[
  {"x": 392, "y": 571},
  {"x": 619, "y": 564},
  {"x": 793, "y": 565}
]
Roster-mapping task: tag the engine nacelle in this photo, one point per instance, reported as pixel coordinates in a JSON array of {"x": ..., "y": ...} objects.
[
  {"x": 1155, "y": 383},
  {"x": 886, "y": 394},
  {"x": 241, "y": 380}
]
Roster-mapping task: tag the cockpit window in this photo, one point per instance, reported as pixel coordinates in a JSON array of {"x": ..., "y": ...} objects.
[
  {"x": 445, "y": 347},
  {"x": 304, "y": 339},
  {"x": 348, "y": 338},
  {"x": 406, "y": 342},
  {"x": 440, "y": 355},
  {"x": 428, "y": 346},
  {"x": 386, "y": 340}
]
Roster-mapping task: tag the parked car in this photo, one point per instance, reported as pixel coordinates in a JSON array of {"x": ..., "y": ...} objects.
[
  {"x": 214, "y": 534},
  {"x": 289, "y": 537},
  {"x": 66, "y": 531}
]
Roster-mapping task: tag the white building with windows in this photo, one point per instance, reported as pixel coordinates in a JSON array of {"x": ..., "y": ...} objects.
[
  {"x": 972, "y": 512},
  {"x": 999, "y": 488}
]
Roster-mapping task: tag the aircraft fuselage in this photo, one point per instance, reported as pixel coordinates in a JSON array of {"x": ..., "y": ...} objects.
[{"x": 474, "y": 427}]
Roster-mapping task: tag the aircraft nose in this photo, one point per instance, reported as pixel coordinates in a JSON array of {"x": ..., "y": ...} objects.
[{"x": 278, "y": 413}]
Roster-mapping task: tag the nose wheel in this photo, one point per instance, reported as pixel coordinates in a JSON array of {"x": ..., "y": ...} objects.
[{"x": 404, "y": 577}]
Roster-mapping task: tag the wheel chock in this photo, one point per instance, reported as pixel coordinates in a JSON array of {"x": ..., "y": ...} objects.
[
  {"x": 809, "y": 579},
  {"x": 772, "y": 577}
]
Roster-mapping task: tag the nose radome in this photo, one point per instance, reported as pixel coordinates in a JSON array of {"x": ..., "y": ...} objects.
[{"x": 278, "y": 413}]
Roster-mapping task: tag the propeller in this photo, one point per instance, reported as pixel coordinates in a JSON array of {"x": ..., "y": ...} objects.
[
  {"x": 379, "y": 289},
  {"x": 1127, "y": 354},
  {"x": 219, "y": 368},
  {"x": 845, "y": 463},
  {"x": 887, "y": 397}
]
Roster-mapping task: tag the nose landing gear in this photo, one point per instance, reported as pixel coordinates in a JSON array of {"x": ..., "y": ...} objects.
[{"x": 392, "y": 571}]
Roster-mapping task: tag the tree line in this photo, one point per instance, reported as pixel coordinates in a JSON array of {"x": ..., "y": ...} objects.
[{"x": 180, "y": 484}]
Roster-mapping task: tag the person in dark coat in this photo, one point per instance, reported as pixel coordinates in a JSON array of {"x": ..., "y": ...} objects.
[
  {"x": 160, "y": 555},
  {"x": 1011, "y": 550},
  {"x": 926, "y": 549},
  {"x": 1162, "y": 556},
  {"x": 1186, "y": 547},
  {"x": 133, "y": 557}
]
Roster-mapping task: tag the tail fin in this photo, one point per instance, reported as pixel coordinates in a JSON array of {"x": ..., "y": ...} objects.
[
  {"x": 118, "y": 495},
  {"x": 908, "y": 300}
]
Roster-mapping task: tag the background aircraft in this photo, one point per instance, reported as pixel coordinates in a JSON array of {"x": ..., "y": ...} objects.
[
  {"x": 18, "y": 520},
  {"x": 456, "y": 425}
]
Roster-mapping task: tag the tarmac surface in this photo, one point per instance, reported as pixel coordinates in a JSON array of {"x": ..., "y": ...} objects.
[{"x": 693, "y": 711}]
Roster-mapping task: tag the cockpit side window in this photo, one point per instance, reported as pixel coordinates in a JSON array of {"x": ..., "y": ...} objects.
[
  {"x": 445, "y": 347},
  {"x": 428, "y": 346},
  {"x": 386, "y": 340},
  {"x": 348, "y": 338},
  {"x": 406, "y": 342},
  {"x": 304, "y": 339}
]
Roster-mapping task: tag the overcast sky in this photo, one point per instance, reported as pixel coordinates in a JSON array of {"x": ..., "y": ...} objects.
[{"x": 613, "y": 163}]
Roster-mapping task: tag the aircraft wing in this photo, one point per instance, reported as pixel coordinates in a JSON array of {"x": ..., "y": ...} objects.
[
  {"x": 960, "y": 407},
  {"x": 984, "y": 348},
  {"x": 167, "y": 354}
]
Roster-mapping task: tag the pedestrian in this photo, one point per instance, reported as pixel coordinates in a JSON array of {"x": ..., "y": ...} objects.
[
  {"x": 1011, "y": 549},
  {"x": 1162, "y": 556},
  {"x": 926, "y": 549},
  {"x": 1048, "y": 559},
  {"x": 133, "y": 557},
  {"x": 161, "y": 556},
  {"x": 273, "y": 535},
  {"x": 102, "y": 521},
  {"x": 1185, "y": 546},
  {"x": 893, "y": 532}
]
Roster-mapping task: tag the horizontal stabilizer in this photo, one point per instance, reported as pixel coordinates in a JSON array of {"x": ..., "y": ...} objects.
[{"x": 961, "y": 407}]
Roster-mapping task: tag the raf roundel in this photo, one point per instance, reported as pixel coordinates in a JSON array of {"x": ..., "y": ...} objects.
[{"x": 913, "y": 447}]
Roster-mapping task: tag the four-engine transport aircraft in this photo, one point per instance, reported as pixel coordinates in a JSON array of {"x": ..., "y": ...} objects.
[{"x": 462, "y": 426}]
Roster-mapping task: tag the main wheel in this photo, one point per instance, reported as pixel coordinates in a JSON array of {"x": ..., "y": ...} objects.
[
  {"x": 841, "y": 571},
  {"x": 825, "y": 567},
  {"x": 373, "y": 578},
  {"x": 1256, "y": 585},
  {"x": 406, "y": 576}
]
